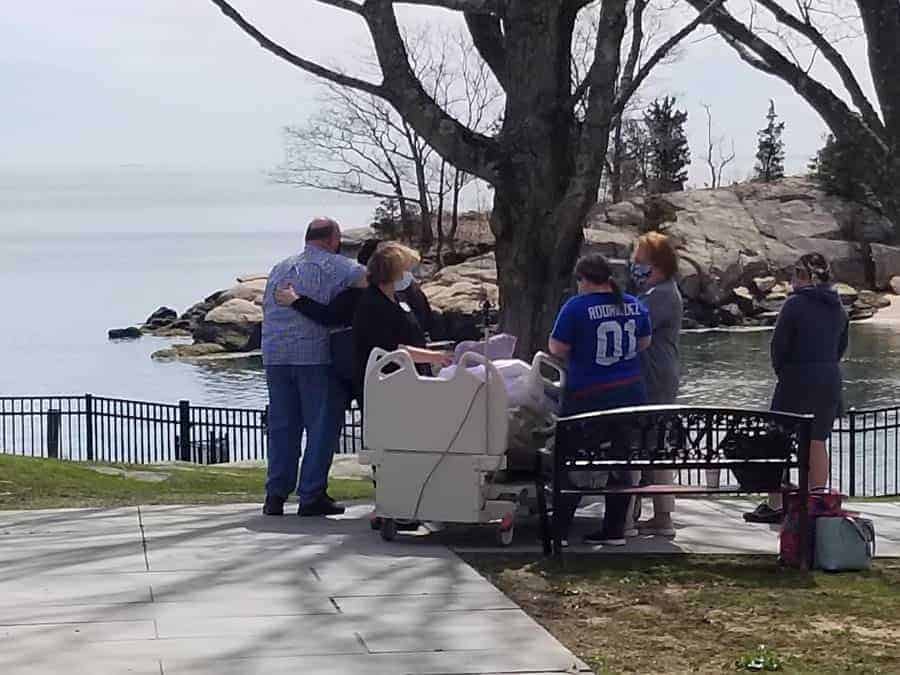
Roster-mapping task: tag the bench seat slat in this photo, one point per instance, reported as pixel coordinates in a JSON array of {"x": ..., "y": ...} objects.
[{"x": 656, "y": 490}]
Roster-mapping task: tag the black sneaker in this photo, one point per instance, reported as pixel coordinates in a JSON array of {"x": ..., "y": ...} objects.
[
  {"x": 765, "y": 514},
  {"x": 274, "y": 506},
  {"x": 605, "y": 538},
  {"x": 321, "y": 507}
]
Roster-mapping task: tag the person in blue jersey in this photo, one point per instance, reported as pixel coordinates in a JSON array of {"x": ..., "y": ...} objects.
[{"x": 599, "y": 333}]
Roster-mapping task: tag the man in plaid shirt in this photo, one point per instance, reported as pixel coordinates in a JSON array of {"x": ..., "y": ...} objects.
[{"x": 304, "y": 395}]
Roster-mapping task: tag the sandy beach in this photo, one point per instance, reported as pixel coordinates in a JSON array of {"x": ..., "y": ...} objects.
[{"x": 888, "y": 315}]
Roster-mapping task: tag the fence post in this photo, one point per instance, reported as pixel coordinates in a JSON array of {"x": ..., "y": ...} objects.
[
  {"x": 89, "y": 425},
  {"x": 852, "y": 452},
  {"x": 184, "y": 427},
  {"x": 54, "y": 419}
]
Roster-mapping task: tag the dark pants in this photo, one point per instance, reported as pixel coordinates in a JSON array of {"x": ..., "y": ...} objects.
[
  {"x": 615, "y": 506},
  {"x": 310, "y": 399}
]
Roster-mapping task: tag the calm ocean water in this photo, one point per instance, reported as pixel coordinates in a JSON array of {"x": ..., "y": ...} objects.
[{"x": 84, "y": 251}]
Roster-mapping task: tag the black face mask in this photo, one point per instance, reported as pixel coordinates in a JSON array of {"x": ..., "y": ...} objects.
[{"x": 338, "y": 250}]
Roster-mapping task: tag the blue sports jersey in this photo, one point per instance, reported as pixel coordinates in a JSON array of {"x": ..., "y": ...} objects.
[{"x": 603, "y": 335}]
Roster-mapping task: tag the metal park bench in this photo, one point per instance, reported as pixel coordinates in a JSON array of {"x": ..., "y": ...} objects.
[{"x": 760, "y": 448}]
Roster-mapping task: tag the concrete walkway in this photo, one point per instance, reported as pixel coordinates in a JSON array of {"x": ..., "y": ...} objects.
[
  {"x": 222, "y": 589},
  {"x": 225, "y": 590}
]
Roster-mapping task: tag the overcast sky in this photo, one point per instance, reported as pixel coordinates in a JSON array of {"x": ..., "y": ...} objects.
[{"x": 172, "y": 83}]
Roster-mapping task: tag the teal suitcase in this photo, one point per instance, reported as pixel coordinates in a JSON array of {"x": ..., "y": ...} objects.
[{"x": 844, "y": 543}]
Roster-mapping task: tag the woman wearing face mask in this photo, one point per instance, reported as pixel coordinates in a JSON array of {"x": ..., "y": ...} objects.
[
  {"x": 809, "y": 341},
  {"x": 599, "y": 334},
  {"x": 409, "y": 291},
  {"x": 653, "y": 272},
  {"x": 383, "y": 320}
]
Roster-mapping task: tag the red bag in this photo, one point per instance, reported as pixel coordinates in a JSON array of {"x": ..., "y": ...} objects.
[{"x": 820, "y": 503}]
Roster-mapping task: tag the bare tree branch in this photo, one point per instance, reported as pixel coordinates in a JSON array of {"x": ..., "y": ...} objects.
[
  {"x": 762, "y": 55},
  {"x": 716, "y": 166},
  {"x": 473, "y": 6},
  {"x": 283, "y": 53},
  {"x": 627, "y": 92},
  {"x": 472, "y": 152},
  {"x": 466, "y": 149},
  {"x": 881, "y": 21},
  {"x": 488, "y": 39},
  {"x": 347, "y": 5},
  {"x": 808, "y": 30}
]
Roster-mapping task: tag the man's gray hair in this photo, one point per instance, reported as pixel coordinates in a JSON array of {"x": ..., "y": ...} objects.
[{"x": 322, "y": 229}]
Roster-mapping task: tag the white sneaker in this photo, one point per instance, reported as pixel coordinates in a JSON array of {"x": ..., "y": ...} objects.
[{"x": 649, "y": 528}]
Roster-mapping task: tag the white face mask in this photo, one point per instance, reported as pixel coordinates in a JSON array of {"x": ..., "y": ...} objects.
[{"x": 404, "y": 282}]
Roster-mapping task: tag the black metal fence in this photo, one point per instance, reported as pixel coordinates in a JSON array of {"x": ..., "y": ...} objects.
[
  {"x": 864, "y": 447},
  {"x": 93, "y": 428}
]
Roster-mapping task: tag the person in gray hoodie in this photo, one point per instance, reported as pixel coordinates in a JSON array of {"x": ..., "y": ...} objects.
[
  {"x": 653, "y": 275},
  {"x": 809, "y": 341}
]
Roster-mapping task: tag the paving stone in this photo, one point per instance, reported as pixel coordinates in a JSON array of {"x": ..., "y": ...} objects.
[
  {"x": 26, "y": 561},
  {"x": 54, "y": 635},
  {"x": 90, "y": 522},
  {"x": 457, "y": 631},
  {"x": 423, "y": 606},
  {"x": 77, "y": 661},
  {"x": 494, "y": 662},
  {"x": 300, "y": 639},
  {"x": 48, "y": 614},
  {"x": 85, "y": 590}
]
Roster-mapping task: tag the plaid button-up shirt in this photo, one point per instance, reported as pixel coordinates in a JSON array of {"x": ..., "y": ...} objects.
[{"x": 288, "y": 337}]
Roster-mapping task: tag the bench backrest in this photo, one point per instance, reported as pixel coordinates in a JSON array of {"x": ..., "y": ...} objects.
[{"x": 680, "y": 437}]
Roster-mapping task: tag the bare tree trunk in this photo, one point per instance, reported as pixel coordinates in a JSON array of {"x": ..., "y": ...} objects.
[
  {"x": 615, "y": 177},
  {"x": 426, "y": 233},
  {"x": 458, "y": 182},
  {"x": 406, "y": 223},
  {"x": 440, "y": 215},
  {"x": 532, "y": 282}
]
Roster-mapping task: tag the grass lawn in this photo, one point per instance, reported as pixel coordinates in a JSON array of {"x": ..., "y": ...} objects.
[
  {"x": 27, "y": 483},
  {"x": 709, "y": 614}
]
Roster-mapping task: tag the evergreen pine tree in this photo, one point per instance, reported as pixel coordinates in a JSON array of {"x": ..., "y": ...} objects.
[
  {"x": 770, "y": 152},
  {"x": 845, "y": 170},
  {"x": 669, "y": 154}
]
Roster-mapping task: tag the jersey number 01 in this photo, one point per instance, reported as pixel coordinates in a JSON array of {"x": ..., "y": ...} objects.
[{"x": 610, "y": 338}]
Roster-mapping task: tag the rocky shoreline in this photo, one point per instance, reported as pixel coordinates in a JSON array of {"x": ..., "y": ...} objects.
[{"x": 737, "y": 249}]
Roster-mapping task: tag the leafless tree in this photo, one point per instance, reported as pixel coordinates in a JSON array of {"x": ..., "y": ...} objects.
[
  {"x": 782, "y": 39},
  {"x": 716, "y": 156},
  {"x": 358, "y": 144},
  {"x": 544, "y": 160},
  {"x": 355, "y": 144}
]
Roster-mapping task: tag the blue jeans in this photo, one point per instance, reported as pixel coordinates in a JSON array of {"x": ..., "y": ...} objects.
[{"x": 310, "y": 399}]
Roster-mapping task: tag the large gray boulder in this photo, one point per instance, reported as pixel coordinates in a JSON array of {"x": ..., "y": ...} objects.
[
  {"x": 848, "y": 260},
  {"x": 625, "y": 214},
  {"x": 457, "y": 294},
  {"x": 236, "y": 325},
  {"x": 730, "y": 237},
  {"x": 798, "y": 207},
  {"x": 886, "y": 262},
  {"x": 251, "y": 291},
  {"x": 612, "y": 242}
]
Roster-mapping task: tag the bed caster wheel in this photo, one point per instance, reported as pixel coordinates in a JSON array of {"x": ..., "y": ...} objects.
[
  {"x": 505, "y": 535},
  {"x": 375, "y": 522},
  {"x": 388, "y": 529}
]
